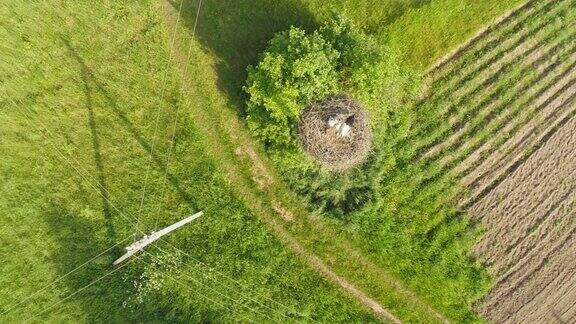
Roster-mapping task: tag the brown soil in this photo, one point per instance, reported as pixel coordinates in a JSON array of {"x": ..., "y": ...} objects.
[
  {"x": 490, "y": 153},
  {"x": 548, "y": 107},
  {"x": 522, "y": 180},
  {"x": 482, "y": 186},
  {"x": 517, "y": 143},
  {"x": 530, "y": 244},
  {"x": 283, "y": 212},
  {"x": 455, "y": 88}
]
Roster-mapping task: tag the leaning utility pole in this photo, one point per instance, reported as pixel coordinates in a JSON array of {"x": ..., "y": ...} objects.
[{"x": 148, "y": 239}]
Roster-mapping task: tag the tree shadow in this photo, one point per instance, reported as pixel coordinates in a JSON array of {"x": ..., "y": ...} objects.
[
  {"x": 237, "y": 31},
  {"x": 79, "y": 237},
  {"x": 89, "y": 77},
  {"x": 78, "y": 241}
]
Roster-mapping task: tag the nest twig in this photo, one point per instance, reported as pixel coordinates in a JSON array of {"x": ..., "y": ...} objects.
[{"x": 333, "y": 147}]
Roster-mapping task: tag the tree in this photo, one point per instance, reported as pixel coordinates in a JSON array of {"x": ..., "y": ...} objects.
[{"x": 295, "y": 69}]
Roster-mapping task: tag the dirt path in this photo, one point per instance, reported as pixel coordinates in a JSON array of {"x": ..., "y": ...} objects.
[{"x": 251, "y": 176}]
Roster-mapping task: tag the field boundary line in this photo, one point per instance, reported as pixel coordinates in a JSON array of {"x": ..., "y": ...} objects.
[
  {"x": 537, "y": 55},
  {"x": 490, "y": 110},
  {"x": 514, "y": 35},
  {"x": 448, "y": 162},
  {"x": 455, "y": 53}
]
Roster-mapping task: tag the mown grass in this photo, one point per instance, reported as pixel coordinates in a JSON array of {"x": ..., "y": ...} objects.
[
  {"x": 96, "y": 80},
  {"x": 81, "y": 85},
  {"x": 427, "y": 33},
  {"x": 423, "y": 31}
]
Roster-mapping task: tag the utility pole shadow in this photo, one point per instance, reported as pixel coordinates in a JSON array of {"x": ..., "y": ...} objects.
[
  {"x": 101, "y": 177},
  {"x": 89, "y": 77}
]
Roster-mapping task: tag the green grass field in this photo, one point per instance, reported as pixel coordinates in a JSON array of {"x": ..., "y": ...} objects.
[{"x": 90, "y": 150}]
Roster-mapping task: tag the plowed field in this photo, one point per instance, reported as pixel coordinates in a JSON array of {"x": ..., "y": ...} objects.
[{"x": 502, "y": 123}]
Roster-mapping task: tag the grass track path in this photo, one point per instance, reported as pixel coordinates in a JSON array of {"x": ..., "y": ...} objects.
[
  {"x": 229, "y": 144},
  {"x": 245, "y": 192}
]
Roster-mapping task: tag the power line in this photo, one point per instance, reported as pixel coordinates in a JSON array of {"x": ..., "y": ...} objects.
[
  {"x": 47, "y": 29},
  {"x": 230, "y": 279},
  {"x": 162, "y": 91},
  {"x": 63, "y": 276},
  {"x": 30, "y": 296},
  {"x": 149, "y": 239},
  {"x": 199, "y": 264},
  {"x": 110, "y": 202},
  {"x": 196, "y": 21},
  {"x": 163, "y": 87},
  {"x": 175, "y": 126},
  {"x": 76, "y": 292},
  {"x": 204, "y": 285},
  {"x": 187, "y": 286}
]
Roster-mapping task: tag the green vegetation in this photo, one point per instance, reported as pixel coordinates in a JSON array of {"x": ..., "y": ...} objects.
[
  {"x": 423, "y": 31},
  {"x": 76, "y": 139},
  {"x": 426, "y": 33},
  {"x": 295, "y": 70},
  {"x": 90, "y": 78},
  {"x": 468, "y": 105}
]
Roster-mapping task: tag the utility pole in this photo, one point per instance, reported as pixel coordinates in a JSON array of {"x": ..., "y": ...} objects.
[{"x": 148, "y": 239}]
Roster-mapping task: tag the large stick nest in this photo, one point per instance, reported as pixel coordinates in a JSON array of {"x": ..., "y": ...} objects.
[{"x": 336, "y": 132}]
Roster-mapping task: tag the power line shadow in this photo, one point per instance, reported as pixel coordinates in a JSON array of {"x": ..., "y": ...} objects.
[
  {"x": 77, "y": 241},
  {"x": 89, "y": 77}
]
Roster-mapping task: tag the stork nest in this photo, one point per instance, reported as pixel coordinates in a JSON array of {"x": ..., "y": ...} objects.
[{"x": 336, "y": 132}]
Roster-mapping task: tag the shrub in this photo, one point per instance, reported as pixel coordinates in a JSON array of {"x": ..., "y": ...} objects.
[
  {"x": 360, "y": 55},
  {"x": 298, "y": 68},
  {"x": 295, "y": 69}
]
